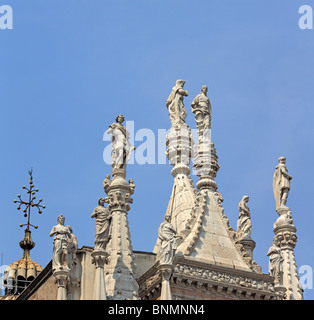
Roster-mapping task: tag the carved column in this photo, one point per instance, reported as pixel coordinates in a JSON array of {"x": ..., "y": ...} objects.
[
  {"x": 206, "y": 162},
  {"x": 249, "y": 245},
  {"x": 285, "y": 234},
  {"x": 99, "y": 259},
  {"x": 120, "y": 270},
  {"x": 62, "y": 278},
  {"x": 166, "y": 271}
]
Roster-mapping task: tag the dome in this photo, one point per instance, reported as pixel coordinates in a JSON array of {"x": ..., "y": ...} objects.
[{"x": 20, "y": 273}]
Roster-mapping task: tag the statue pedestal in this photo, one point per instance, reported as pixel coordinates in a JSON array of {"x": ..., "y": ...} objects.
[
  {"x": 248, "y": 245},
  {"x": 62, "y": 278},
  {"x": 166, "y": 273},
  {"x": 99, "y": 259},
  {"x": 280, "y": 291}
]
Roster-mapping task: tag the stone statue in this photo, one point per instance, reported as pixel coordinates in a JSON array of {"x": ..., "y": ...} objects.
[
  {"x": 201, "y": 107},
  {"x": 132, "y": 186},
  {"x": 61, "y": 242},
  {"x": 281, "y": 184},
  {"x": 244, "y": 224},
  {"x": 276, "y": 262},
  {"x": 106, "y": 183},
  {"x": 72, "y": 247},
  {"x": 168, "y": 246},
  {"x": 121, "y": 146},
  {"x": 177, "y": 112},
  {"x": 103, "y": 223}
]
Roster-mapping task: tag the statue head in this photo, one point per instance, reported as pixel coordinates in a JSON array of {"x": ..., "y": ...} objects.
[
  {"x": 276, "y": 242},
  {"x": 61, "y": 219},
  {"x": 101, "y": 201},
  {"x": 180, "y": 83},
  {"x": 245, "y": 198},
  {"x": 120, "y": 118},
  {"x": 282, "y": 160},
  {"x": 167, "y": 217},
  {"x": 204, "y": 89}
]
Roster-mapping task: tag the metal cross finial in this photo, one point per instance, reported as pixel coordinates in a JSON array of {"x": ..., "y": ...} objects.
[{"x": 28, "y": 205}]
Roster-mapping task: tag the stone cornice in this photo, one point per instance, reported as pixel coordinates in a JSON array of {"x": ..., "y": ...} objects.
[{"x": 219, "y": 280}]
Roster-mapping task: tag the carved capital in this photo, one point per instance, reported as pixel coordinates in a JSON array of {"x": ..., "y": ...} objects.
[
  {"x": 166, "y": 271},
  {"x": 99, "y": 258},
  {"x": 118, "y": 200},
  {"x": 179, "y": 144},
  {"x": 62, "y": 277},
  {"x": 286, "y": 237}
]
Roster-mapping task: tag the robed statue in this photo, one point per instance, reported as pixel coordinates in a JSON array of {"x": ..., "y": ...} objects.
[
  {"x": 175, "y": 105},
  {"x": 281, "y": 183},
  {"x": 121, "y": 146},
  {"x": 244, "y": 224},
  {"x": 103, "y": 223},
  {"x": 168, "y": 242},
  {"x": 275, "y": 262},
  {"x": 201, "y": 107},
  {"x": 61, "y": 243}
]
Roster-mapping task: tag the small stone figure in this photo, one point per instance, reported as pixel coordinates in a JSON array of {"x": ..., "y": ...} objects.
[
  {"x": 103, "y": 222},
  {"x": 106, "y": 183},
  {"x": 201, "y": 107},
  {"x": 72, "y": 248},
  {"x": 281, "y": 183},
  {"x": 132, "y": 186},
  {"x": 175, "y": 105},
  {"x": 244, "y": 224},
  {"x": 168, "y": 246},
  {"x": 61, "y": 242},
  {"x": 276, "y": 262},
  {"x": 121, "y": 146}
]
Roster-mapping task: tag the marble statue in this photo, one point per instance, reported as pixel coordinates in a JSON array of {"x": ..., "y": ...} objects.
[
  {"x": 103, "y": 223},
  {"x": 106, "y": 183},
  {"x": 61, "y": 241},
  {"x": 175, "y": 105},
  {"x": 132, "y": 186},
  {"x": 72, "y": 247},
  {"x": 281, "y": 183},
  {"x": 275, "y": 262},
  {"x": 244, "y": 224},
  {"x": 168, "y": 246},
  {"x": 201, "y": 107},
  {"x": 121, "y": 146}
]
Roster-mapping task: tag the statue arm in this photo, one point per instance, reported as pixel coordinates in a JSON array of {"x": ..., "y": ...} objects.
[
  {"x": 195, "y": 102},
  {"x": 95, "y": 213},
  {"x": 285, "y": 172},
  {"x": 183, "y": 92},
  {"x": 53, "y": 231}
]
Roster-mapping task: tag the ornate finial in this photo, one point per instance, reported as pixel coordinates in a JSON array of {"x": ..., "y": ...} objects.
[{"x": 30, "y": 203}]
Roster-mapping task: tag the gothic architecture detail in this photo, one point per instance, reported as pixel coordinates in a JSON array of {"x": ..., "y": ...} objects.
[
  {"x": 175, "y": 105},
  {"x": 120, "y": 268},
  {"x": 198, "y": 255},
  {"x": 244, "y": 227},
  {"x": 63, "y": 260},
  {"x": 282, "y": 262}
]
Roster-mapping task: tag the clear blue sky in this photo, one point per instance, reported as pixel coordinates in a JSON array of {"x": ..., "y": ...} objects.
[{"x": 69, "y": 67}]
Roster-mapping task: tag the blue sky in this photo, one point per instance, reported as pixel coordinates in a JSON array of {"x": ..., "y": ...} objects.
[{"x": 68, "y": 68}]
